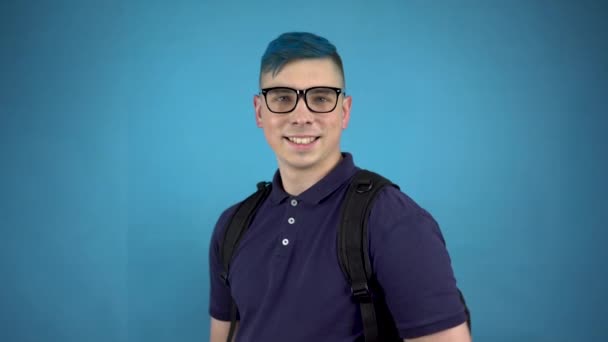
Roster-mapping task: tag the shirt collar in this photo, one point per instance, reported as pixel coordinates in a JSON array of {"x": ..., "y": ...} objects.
[{"x": 326, "y": 186}]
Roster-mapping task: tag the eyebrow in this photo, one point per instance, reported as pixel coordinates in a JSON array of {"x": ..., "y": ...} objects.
[{"x": 283, "y": 89}]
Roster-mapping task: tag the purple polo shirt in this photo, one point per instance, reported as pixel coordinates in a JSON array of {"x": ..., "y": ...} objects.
[{"x": 286, "y": 279}]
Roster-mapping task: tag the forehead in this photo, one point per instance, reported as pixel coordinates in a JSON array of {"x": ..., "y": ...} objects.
[{"x": 305, "y": 73}]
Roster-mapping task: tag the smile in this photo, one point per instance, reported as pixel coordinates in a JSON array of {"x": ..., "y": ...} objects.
[{"x": 302, "y": 140}]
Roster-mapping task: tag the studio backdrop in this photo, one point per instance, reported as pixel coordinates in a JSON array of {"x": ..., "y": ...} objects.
[{"x": 127, "y": 127}]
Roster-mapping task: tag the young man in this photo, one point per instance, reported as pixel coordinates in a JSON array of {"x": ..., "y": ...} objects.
[{"x": 285, "y": 276}]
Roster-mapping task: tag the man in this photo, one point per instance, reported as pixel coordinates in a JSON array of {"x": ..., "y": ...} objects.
[{"x": 285, "y": 277}]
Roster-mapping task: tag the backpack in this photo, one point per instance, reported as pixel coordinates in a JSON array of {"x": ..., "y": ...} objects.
[{"x": 378, "y": 323}]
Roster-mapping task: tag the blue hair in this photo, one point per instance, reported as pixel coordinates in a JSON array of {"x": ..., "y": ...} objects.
[{"x": 293, "y": 46}]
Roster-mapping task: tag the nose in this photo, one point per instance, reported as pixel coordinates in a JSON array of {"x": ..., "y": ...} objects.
[{"x": 301, "y": 114}]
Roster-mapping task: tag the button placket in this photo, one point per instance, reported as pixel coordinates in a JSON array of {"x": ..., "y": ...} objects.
[{"x": 289, "y": 232}]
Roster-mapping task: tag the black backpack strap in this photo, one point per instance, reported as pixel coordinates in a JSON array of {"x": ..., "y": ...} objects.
[
  {"x": 353, "y": 246},
  {"x": 238, "y": 224},
  {"x": 353, "y": 254}
]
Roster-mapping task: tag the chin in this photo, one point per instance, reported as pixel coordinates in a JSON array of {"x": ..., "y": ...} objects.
[{"x": 301, "y": 162}]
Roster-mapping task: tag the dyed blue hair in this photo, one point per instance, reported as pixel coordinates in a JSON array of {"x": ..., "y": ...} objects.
[{"x": 293, "y": 46}]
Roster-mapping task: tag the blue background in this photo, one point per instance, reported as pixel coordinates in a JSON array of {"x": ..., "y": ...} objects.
[{"x": 127, "y": 127}]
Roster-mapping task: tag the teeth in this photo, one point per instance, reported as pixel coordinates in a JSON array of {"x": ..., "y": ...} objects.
[{"x": 301, "y": 141}]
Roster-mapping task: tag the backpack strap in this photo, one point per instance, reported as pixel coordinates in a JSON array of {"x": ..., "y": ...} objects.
[
  {"x": 240, "y": 221},
  {"x": 353, "y": 254},
  {"x": 353, "y": 246}
]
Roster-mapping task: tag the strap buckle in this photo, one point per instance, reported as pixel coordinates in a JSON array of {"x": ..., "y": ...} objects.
[
  {"x": 361, "y": 293},
  {"x": 262, "y": 185},
  {"x": 364, "y": 186}
]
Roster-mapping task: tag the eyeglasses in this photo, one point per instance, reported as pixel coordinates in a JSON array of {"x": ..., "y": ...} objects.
[{"x": 282, "y": 100}]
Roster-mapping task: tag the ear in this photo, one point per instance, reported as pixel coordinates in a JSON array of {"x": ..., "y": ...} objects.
[
  {"x": 257, "y": 106},
  {"x": 346, "y": 105}
]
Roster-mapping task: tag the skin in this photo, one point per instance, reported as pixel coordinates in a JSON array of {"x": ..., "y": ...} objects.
[{"x": 303, "y": 166}]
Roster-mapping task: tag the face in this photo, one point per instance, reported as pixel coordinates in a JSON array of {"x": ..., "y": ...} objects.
[{"x": 301, "y": 139}]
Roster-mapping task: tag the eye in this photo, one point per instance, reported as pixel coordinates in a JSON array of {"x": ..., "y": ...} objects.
[
  {"x": 283, "y": 98},
  {"x": 320, "y": 99},
  {"x": 322, "y": 96}
]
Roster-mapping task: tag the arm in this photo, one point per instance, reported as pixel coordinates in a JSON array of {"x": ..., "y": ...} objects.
[
  {"x": 413, "y": 266},
  {"x": 219, "y": 330},
  {"x": 459, "y": 333}
]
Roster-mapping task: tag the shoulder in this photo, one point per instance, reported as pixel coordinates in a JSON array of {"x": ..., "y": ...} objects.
[
  {"x": 390, "y": 199},
  {"x": 395, "y": 213},
  {"x": 226, "y": 215},
  {"x": 222, "y": 223},
  {"x": 392, "y": 202},
  {"x": 248, "y": 202}
]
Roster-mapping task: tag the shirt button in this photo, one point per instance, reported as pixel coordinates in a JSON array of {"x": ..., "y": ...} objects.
[
  {"x": 291, "y": 220},
  {"x": 294, "y": 202},
  {"x": 285, "y": 242}
]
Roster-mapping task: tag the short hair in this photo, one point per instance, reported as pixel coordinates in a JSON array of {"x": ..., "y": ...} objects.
[{"x": 292, "y": 46}]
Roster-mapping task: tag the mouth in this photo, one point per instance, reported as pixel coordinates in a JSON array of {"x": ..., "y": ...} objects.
[{"x": 302, "y": 140}]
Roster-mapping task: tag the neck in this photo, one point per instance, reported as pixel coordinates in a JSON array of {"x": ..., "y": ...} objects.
[{"x": 297, "y": 180}]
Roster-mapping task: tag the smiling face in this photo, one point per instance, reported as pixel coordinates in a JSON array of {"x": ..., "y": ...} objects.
[{"x": 303, "y": 140}]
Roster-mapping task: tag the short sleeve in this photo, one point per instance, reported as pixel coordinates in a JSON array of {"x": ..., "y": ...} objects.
[
  {"x": 413, "y": 267},
  {"x": 220, "y": 299}
]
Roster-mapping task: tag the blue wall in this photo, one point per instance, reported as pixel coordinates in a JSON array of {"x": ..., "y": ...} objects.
[{"x": 127, "y": 127}]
